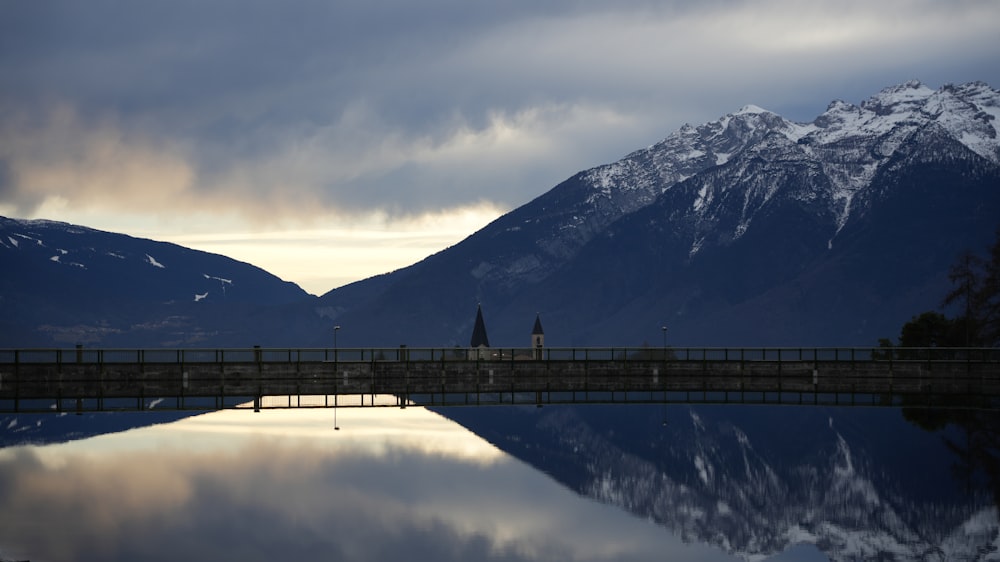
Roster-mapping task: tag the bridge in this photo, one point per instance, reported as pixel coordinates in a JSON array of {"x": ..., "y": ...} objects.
[{"x": 83, "y": 379}]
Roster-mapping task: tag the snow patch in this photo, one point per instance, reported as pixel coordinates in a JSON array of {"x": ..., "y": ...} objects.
[
  {"x": 198, "y": 297},
  {"x": 220, "y": 279},
  {"x": 696, "y": 420},
  {"x": 703, "y": 469},
  {"x": 702, "y": 199},
  {"x": 696, "y": 246},
  {"x": 225, "y": 283},
  {"x": 751, "y": 109},
  {"x": 796, "y": 535},
  {"x": 152, "y": 261}
]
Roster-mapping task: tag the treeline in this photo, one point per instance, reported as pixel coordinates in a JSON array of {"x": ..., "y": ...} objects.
[{"x": 975, "y": 296}]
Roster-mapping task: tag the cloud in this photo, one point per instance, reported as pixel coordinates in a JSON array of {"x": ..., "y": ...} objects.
[
  {"x": 62, "y": 159},
  {"x": 309, "y": 112}
]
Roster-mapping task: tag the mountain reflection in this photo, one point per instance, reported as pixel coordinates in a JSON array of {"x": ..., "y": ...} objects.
[
  {"x": 582, "y": 483},
  {"x": 391, "y": 485},
  {"x": 857, "y": 483}
]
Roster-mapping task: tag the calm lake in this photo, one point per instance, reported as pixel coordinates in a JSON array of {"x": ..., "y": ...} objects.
[{"x": 555, "y": 483}]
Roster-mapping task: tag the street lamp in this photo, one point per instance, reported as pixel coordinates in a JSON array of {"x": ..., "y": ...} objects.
[{"x": 664, "y": 328}]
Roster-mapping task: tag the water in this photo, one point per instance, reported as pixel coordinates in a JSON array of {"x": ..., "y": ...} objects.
[{"x": 560, "y": 483}]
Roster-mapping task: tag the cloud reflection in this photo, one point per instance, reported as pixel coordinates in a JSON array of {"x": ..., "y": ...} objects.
[{"x": 391, "y": 484}]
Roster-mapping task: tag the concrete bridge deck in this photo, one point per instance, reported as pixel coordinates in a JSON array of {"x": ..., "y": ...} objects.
[{"x": 77, "y": 380}]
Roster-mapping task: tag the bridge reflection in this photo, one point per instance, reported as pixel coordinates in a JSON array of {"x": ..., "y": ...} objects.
[{"x": 68, "y": 380}]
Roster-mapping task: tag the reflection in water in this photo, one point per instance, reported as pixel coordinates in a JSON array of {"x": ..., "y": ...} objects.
[
  {"x": 281, "y": 485},
  {"x": 582, "y": 483},
  {"x": 858, "y": 483}
]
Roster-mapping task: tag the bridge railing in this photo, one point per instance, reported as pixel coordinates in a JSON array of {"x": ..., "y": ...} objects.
[{"x": 408, "y": 354}]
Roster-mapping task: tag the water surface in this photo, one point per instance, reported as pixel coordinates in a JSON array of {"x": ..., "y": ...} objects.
[
  {"x": 588, "y": 483},
  {"x": 284, "y": 485}
]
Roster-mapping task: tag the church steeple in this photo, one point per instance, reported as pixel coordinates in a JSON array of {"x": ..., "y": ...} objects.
[
  {"x": 479, "y": 337},
  {"x": 537, "y": 337}
]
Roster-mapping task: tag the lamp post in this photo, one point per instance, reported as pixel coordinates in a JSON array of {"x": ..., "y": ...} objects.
[
  {"x": 335, "y": 330},
  {"x": 664, "y": 328}
]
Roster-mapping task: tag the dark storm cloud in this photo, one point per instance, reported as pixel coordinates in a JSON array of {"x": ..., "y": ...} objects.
[{"x": 406, "y": 107}]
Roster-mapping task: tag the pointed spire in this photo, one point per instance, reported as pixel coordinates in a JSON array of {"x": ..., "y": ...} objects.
[
  {"x": 537, "y": 330},
  {"x": 479, "y": 338}
]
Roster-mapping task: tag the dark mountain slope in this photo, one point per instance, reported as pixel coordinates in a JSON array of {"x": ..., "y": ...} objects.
[
  {"x": 64, "y": 284},
  {"x": 791, "y": 273}
]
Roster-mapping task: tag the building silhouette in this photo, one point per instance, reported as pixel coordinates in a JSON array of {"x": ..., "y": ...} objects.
[
  {"x": 480, "y": 342},
  {"x": 537, "y": 337}
]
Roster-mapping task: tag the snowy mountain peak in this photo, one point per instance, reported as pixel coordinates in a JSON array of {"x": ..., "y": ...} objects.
[
  {"x": 753, "y": 109},
  {"x": 839, "y": 153},
  {"x": 912, "y": 92}
]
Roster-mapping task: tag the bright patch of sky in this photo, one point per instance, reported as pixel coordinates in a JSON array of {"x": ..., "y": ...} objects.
[{"x": 340, "y": 127}]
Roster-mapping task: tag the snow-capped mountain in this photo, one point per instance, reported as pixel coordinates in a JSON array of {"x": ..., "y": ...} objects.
[
  {"x": 844, "y": 148},
  {"x": 64, "y": 284},
  {"x": 740, "y": 478},
  {"x": 748, "y": 230}
]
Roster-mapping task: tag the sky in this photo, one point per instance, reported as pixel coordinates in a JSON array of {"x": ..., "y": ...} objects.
[{"x": 330, "y": 141}]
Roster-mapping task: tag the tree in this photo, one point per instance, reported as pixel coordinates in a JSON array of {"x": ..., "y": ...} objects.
[
  {"x": 990, "y": 296},
  {"x": 967, "y": 290},
  {"x": 930, "y": 329}
]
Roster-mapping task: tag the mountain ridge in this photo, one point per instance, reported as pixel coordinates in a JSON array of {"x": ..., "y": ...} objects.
[
  {"x": 69, "y": 284},
  {"x": 747, "y": 230},
  {"x": 700, "y": 190}
]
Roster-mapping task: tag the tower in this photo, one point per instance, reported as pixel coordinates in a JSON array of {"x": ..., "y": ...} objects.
[
  {"x": 537, "y": 337},
  {"x": 479, "y": 341}
]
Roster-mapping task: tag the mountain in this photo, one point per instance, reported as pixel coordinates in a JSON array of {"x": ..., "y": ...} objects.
[
  {"x": 749, "y": 230},
  {"x": 65, "y": 284},
  {"x": 858, "y": 484},
  {"x": 44, "y": 429}
]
